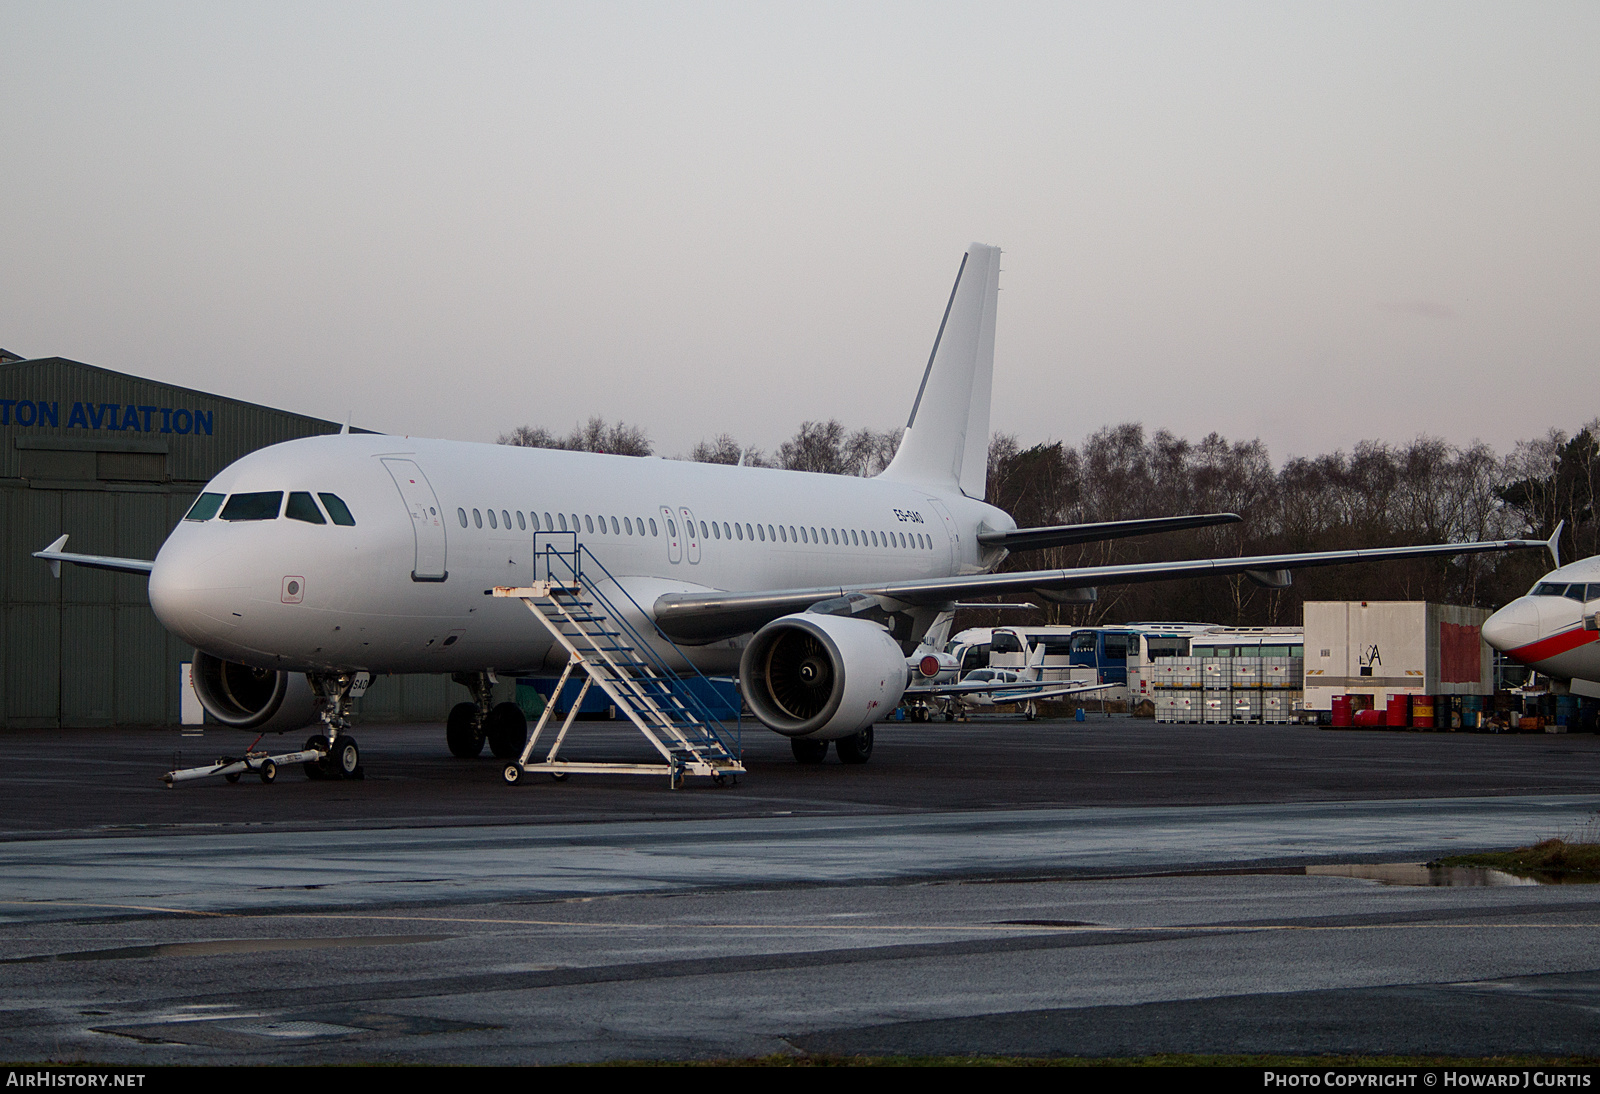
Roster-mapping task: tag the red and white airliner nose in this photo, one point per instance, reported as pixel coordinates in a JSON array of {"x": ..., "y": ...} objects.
[
  {"x": 1514, "y": 627},
  {"x": 1547, "y": 633}
]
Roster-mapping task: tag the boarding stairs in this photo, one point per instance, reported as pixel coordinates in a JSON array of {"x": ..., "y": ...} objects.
[{"x": 608, "y": 652}]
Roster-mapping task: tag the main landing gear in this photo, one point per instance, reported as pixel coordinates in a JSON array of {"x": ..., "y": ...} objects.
[
  {"x": 503, "y": 726},
  {"x": 855, "y": 749}
]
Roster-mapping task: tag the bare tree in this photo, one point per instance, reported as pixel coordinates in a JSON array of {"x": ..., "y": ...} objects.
[
  {"x": 866, "y": 452},
  {"x": 594, "y": 435},
  {"x": 818, "y": 446},
  {"x": 725, "y": 449}
]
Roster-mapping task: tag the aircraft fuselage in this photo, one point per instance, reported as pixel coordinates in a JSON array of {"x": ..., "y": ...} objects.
[{"x": 438, "y": 523}]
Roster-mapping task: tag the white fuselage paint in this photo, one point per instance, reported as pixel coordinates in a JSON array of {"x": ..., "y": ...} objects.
[{"x": 225, "y": 586}]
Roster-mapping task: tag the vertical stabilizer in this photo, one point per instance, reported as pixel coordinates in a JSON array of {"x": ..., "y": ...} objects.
[{"x": 946, "y": 442}]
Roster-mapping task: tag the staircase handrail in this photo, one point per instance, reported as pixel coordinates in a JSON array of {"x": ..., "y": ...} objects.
[{"x": 574, "y": 567}]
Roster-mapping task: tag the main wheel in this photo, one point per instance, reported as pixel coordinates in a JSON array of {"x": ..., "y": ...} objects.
[
  {"x": 462, "y": 732},
  {"x": 857, "y": 749},
  {"x": 345, "y": 759},
  {"x": 808, "y": 752},
  {"x": 314, "y": 769},
  {"x": 507, "y": 731}
]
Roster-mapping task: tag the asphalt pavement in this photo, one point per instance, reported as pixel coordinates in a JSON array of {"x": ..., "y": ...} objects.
[{"x": 1102, "y": 888}]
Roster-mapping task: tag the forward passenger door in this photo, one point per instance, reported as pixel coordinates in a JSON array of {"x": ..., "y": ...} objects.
[{"x": 427, "y": 522}]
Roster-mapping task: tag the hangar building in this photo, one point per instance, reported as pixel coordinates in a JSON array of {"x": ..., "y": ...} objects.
[{"x": 115, "y": 461}]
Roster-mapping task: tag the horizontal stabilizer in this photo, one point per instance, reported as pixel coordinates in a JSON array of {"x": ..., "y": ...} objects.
[
  {"x": 1064, "y": 535},
  {"x": 55, "y": 556}
]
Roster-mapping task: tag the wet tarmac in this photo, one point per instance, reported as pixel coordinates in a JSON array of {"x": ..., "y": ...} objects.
[{"x": 1046, "y": 888}]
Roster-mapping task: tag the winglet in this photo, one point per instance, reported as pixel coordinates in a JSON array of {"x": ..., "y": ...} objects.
[
  {"x": 1553, "y": 544},
  {"x": 55, "y": 563},
  {"x": 347, "y": 416}
]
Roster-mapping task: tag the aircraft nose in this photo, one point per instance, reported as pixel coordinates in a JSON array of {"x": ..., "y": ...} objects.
[
  {"x": 192, "y": 592},
  {"x": 1513, "y": 626}
]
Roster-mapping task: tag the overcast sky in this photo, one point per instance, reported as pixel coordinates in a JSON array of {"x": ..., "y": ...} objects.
[{"x": 1312, "y": 223}]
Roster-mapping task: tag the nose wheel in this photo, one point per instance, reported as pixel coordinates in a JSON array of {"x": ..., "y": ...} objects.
[{"x": 340, "y": 760}]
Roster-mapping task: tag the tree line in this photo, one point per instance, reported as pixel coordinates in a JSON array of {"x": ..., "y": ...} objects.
[{"x": 1375, "y": 495}]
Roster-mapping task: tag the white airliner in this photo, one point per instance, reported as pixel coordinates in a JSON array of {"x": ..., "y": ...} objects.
[
  {"x": 306, "y": 563},
  {"x": 1553, "y": 630}
]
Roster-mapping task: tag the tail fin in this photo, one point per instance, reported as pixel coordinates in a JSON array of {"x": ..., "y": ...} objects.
[{"x": 946, "y": 442}]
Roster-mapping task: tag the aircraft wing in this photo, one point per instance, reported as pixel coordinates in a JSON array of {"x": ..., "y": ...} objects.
[
  {"x": 55, "y": 556},
  {"x": 1005, "y": 693},
  {"x": 1063, "y": 535},
  {"x": 707, "y": 617}
]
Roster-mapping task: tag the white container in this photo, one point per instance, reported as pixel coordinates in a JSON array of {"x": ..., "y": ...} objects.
[{"x": 1387, "y": 647}]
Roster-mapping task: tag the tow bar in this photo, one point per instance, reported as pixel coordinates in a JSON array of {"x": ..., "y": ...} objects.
[{"x": 263, "y": 764}]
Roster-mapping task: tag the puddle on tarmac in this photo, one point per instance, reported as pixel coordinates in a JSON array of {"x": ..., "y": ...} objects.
[
  {"x": 1418, "y": 873},
  {"x": 227, "y": 946}
]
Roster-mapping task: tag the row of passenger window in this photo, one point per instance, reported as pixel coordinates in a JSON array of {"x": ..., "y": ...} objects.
[
  {"x": 1590, "y": 591},
  {"x": 268, "y": 505},
  {"x": 764, "y": 533}
]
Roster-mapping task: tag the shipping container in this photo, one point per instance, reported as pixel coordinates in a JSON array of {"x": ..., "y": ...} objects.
[{"x": 1383, "y": 647}]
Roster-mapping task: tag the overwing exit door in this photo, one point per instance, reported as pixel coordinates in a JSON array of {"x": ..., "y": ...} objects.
[
  {"x": 670, "y": 527},
  {"x": 691, "y": 536}
]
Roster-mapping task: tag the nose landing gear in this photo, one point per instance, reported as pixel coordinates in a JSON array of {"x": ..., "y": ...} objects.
[{"x": 340, "y": 755}]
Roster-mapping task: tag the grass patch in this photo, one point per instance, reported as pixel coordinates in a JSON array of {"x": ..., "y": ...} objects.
[{"x": 1548, "y": 860}]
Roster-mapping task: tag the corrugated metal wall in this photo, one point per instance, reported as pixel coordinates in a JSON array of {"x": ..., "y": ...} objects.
[{"x": 87, "y": 650}]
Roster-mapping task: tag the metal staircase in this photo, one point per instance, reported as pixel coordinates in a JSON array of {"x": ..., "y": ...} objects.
[{"x": 612, "y": 655}]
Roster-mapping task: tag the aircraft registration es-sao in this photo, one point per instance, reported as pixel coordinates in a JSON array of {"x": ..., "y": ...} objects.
[
  {"x": 1554, "y": 629},
  {"x": 307, "y": 563}
]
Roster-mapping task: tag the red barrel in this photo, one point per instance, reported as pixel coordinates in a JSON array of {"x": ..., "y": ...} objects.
[
  {"x": 1422, "y": 712},
  {"x": 1399, "y": 711},
  {"x": 1368, "y": 719},
  {"x": 1341, "y": 711}
]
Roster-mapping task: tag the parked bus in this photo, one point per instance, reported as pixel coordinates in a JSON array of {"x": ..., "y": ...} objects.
[
  {"x": 1251, "y": 642},
  {"x": 1117, "y": 655}
]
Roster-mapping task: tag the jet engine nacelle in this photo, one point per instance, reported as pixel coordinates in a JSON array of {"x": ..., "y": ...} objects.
[
  {"x": 822, "y": 676},
  {"x": 246, "y": 698}
]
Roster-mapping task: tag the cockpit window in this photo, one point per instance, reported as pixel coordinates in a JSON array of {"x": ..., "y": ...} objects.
[
  {"x": 205, "y": 507},
  {"x": 338, "y": 510},
  {"x": 261, "y": 506},
  {"x": 1571, "y": 592},
  {"x": 302, "y": 507}
]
